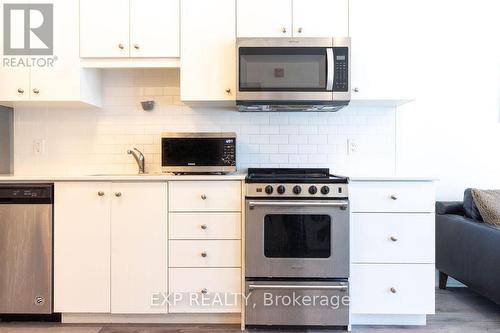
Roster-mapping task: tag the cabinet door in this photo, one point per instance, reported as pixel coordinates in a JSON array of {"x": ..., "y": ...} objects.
[
  {"x": 82, "y": 247},
  {"x": 138, "y": 246},
  {"x": 60, "y": 81},
  {"x": 14, "y": 81},
  {"x": 154, "y": 28},
  {"x": 104, "y": 28},
  {"x": 208, "y": 55},
  {"x": 385, "y": 48},
  {"x": 264, "y": 18},
  {"x": 320, "y": 18}
]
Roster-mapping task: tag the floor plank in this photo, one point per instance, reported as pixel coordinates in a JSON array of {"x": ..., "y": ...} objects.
[{"x": 458, "y": 310}]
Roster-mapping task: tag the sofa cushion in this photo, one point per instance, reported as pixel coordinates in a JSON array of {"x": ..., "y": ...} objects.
[
  {"x": 488, "y": 203},
  {"x": 470, "y": 208}
]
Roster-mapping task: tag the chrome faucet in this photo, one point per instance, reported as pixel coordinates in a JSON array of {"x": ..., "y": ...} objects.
[{"x": 139, "y": 158}]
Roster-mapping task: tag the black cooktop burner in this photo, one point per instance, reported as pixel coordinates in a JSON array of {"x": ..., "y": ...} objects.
[{"x": 293, "y": 175}]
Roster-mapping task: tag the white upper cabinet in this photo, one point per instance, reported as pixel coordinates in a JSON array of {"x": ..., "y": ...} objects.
[
  {"x": 387, "y": 40},
  {"x": 297, "y": 18},
  {"x": 320, "y": 18},
  {"x": 129, "y": 28},
  {"x": 208, "y": 55},
  {"x": 104, "y": 28},
  {"x": 154, "y": 28},
  {"x": 264, "y": 18},
  {"x": 48, "y": 76}
]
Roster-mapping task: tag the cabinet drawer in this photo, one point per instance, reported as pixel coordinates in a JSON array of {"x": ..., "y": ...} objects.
[
  {"x": 199, "y": 289},
  {"x": 392, "y": 289},
  {"x": 205, "y": 196},
  {"x": 368, "y": 197},
  {"x": 205, "y": 226},
  {"x": 392, "y": 238},
  {"x": 205, "y": 253}
]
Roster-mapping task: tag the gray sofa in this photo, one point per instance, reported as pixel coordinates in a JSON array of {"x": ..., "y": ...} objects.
[{"x": 467, "y": 250}]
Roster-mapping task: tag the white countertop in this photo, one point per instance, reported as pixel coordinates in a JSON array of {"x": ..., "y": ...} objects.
[
  {"x": 117, "y": 177},
  {"x": 166, "y": 177}
]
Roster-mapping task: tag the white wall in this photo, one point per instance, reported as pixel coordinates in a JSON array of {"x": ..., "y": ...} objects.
[
  {"x": 95, "y": 141},
  {"x": 452, "y": 129}
]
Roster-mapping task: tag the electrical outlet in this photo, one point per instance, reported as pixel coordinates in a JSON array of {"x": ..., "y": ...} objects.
[
  {"x": 38, "y": 146},
  {"x": 352, "y": 146}
]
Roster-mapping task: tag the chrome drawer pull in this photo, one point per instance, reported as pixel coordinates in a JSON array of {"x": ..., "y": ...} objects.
[
  {"x": 204, "y": 226},
  {"x": 393, "y": 290},
  {"x": 394, "y": 239},
  {"x": 204, "y": 254},
  {"x": 204, "y": 291},
  {"x": 203, "y": 197},
  {"x": 393, "y": 197}
]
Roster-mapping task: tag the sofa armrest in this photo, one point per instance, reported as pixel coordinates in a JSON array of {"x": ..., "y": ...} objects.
[
  {"x": 450, "y": 207},
  {"x": 469, "y": 252}
]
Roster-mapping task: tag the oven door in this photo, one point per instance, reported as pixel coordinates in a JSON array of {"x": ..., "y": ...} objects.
[
  {"x": 285, "y": 69},
  {"x": 297, "y": 239}
]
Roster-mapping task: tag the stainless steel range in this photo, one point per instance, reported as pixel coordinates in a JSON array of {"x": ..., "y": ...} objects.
[{"x": 297, "y": 248}]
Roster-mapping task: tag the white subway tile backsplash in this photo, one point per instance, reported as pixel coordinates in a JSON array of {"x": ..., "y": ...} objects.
[{"x": 96, "y": 140}]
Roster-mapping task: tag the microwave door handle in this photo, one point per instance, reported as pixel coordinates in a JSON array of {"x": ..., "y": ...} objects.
[{"x": 329, "y": 69}]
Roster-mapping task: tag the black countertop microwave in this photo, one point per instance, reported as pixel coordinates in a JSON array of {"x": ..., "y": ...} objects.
[{"x": 198, "y": 152}]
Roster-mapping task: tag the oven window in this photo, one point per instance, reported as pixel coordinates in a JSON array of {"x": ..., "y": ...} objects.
[
  {"x": 297, "y": 236},
  {"x": 282, "y": 69}
]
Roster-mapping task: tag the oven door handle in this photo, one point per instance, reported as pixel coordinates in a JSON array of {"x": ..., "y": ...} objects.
[
  {"x": 252, "y": 287},
  {"x": 341, "y": 204}
]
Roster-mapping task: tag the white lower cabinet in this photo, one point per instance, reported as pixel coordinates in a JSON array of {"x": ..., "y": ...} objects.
[
  {"x": 205, "y": 246},
  {"x": 110, "y": 246},
  {"x": 82, "y": 245},
  {"x": 205, "y": 290},
  {"x": 392, "y": 251},
  {"x": 138, "y": 247},
  {"x": 392, "y": 288}
]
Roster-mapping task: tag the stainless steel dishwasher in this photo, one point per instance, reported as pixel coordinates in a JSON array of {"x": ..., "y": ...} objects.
[{"x": 26, "y": 248}]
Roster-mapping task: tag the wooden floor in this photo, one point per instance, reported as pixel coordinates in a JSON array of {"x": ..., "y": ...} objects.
[{"x": 457, "y": 310}]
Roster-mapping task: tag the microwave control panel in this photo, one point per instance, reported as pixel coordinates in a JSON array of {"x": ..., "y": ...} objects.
[
  {"x": 341, "y": 69},
  {"x": 229, "y": 152}
]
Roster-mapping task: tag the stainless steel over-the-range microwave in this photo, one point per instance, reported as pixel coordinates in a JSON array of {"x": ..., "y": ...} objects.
[
  {"x": 303, "y": 74},
  {"x": 198, "y": 152}
]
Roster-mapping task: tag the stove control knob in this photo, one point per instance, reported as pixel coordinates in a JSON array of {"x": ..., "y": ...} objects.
[
  {"x": 268, "y": 189},
  {"x": 281, "y": 189},
  {"x": 297, "y": 189},
  {"x": 325, "y": 190},
  {"x": 313, "y": 189}
]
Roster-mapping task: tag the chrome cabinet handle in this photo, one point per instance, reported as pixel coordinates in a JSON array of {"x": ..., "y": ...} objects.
[
  {"x": 299, "y": 30},
  {"x": 228, "y": 91},
  {"x": 356, "y": 89},
  {"x": 393, "y": 290},
  {"x": 393, "y": 238},
  {"x": 204, "y": 226},
  {"x": 394, "y": 197},
  {"x": 36, "y": 91},
  {"x": 204, "y": 254},
  {"x": 286, "y": 286},
  {"x": 204, "y": 291},
  {"x": 121, "y": 46},
  {"x": 203, "y": 197},
  {"x": 136, "y": 46},
  {"x": 118, "y": 194},
  {"x": 20, "y": 90},
  {"x": 100, "y": 193},
  {"x": 283, "y": 30}
]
